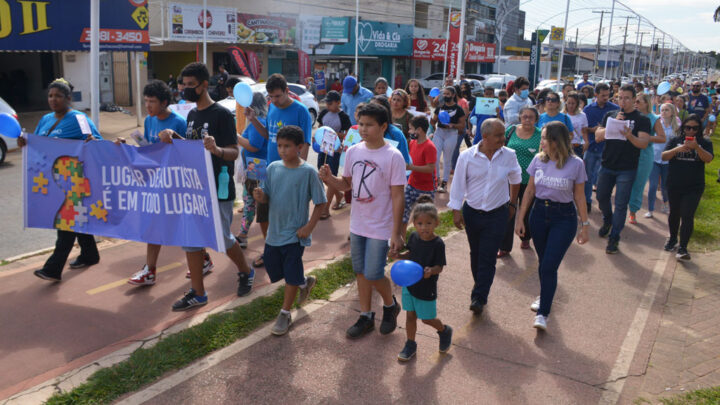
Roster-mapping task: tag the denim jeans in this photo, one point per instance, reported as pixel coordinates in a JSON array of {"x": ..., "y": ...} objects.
[
  {"x": 592, "y": 167},
  {"x": 622, "y": 181},
  {"x": 507, "y": 243},
  {"x": 484, "y": 230},
  {"x": 658, "y": 175},
  {"x": 445, "y": 141},
  {"x": 554, "y": 226},
  {"x": 456, "y": 152}
]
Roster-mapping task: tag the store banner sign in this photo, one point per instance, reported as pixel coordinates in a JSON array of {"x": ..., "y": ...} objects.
[
  {"x": 265, "y": 30},
  {"x": 335, "y": 30},
  {"x": 479, "y": 52},
  {"x": 188, "y": 21},
  {"x": 55, "y": 25},
  {"x": 378, "y": 39},
  {"x": 304, "y": 67},
  {"x": 434, "y": 49},
  {"x": 454, "y": 42},
  {"x": 161, "y": 194}
]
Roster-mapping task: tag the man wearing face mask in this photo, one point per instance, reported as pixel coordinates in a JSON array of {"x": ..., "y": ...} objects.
[{"x": 519, "y": 100}]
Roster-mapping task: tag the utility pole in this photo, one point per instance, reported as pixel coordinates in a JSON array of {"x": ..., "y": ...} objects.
[
  {"x": 622, "y": 53},
  {"x": 562, "y": 48},
  {"x": 577, "y": 51},
  {"x": 607, "y": 50},
  {"x": 662, "y": 58},
  {"x": 636, "y": 47},
  {"x": 597, "y": 48},
  {"x": 652, "y": 45}
]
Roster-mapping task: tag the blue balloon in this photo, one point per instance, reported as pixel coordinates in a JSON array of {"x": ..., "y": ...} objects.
[
  {"x": 444, "y": 117},
  {"x": 434, "y": 92},
  {"x": 406, "y": 273},
  {"x": 712, "y": 118},
  {"x": 663, "y": 88},
  {"x": 316, "y": 147},
  {"x": 243, "y": 94},
  {"x": 473, "y": 120},
  {"x": 9, "y": 126},
  {"x": 388, "y": 93}
]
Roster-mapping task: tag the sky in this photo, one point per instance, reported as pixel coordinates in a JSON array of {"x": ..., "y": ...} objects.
[{"x": 689, "y": 21}]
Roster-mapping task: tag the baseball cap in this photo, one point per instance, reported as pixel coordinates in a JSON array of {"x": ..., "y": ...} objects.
[
  {"x": 332, "y": 96},
  {"x": 349, "y": 84}
]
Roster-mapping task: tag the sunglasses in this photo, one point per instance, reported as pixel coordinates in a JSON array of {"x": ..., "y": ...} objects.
[
  {"x": 552, "y": 100},
  {"x": 692, "y": 127}
]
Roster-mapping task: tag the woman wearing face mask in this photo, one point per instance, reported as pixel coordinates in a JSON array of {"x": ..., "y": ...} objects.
[
  {"x": 511, "y": 111},
  {"x": 445, "y": 137},
  {"x": 66, "y": 123}
]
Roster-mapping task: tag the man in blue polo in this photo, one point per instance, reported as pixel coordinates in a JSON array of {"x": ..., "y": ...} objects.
[
  {"x": 353, "y": 94},
  {"x": 595, "y": 113}
]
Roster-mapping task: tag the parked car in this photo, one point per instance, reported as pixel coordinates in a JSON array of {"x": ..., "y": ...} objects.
[
  {"x": 434, "y": 80},
  {"x": 551, "y": 84},
  {"x": 499, "y": 82},
  {"x": 476, "y": 86},
  {"x": 212, "y": 84},
  {"x": 5, "y": 142},
  {"x": 304, "y": 96}
]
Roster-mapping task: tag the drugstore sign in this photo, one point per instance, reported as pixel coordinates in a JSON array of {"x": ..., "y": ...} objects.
[{"x": 64, "y": 25}]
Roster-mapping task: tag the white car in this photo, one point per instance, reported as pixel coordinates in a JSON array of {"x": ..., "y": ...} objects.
[
  {"x": 434, "y": 80},
  {"x": 5, "y": 142},
  {"x": 498, "y": 82},
  {"x": 307, "y": 98}
]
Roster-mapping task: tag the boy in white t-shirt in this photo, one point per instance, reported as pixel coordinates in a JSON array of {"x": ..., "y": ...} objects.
[{"x": 375, "y": 171}]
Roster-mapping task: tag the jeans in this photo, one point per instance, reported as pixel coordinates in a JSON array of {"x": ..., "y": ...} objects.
[
  {"x": 658, "y": 175},
  {"x": 682, "y": 209},
  {"x": 369, "y": 256},
  {"x": 456, "y": 152},
  {"x": 64, "y": 244},
  {"x": 484, "y": 230},
  {"x": 645, "y": 165},
  {"x": 554, "y": 226},
  {"x": 592, "y": 167},
  {"x": 607, "y": 180},
  {"x": 507, "y": 242},
  {"x": 445, "y": 140}
]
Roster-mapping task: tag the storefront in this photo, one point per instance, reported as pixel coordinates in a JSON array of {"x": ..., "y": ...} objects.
[{"x": 429, "y": 56}]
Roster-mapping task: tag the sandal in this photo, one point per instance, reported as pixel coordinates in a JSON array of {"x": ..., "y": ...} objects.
[
  {"x": 339, "y": 206},
  {"x": 324, "y": 216},
  {"x": 259, "y": 262}
]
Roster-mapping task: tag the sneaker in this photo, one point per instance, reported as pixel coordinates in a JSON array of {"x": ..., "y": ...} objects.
[
  {"x": 682, "y": 254},
  {"x": 143, "y": 277},
  {"x": 649, "y": 214},
  {"x": 282, "y": 324},
  {"x": 245, "y": 282},
  {"x": 445, "y": 339},
  {"x": 604, "y": 230},
  {"x": 45, "y": 276},
  {"x": 665, "y": 209},
  {"x": 310, "y": 282},
  {"x": 389, "y": 319},
  {"x": 540, "y": 322},
  {"x": 242, "y": 241},
  {"x": 207, "y": 266},
  {"x": 670, "y": 245},
  {"x": 632, "y": 220},
  {"x": 363, "y": 325},
  {"x": 443, "y": 187},
  {"x": 190, "y": 300},
  {"x": 476, "y": 307},
  {"x": 408, "y": 352},
  {"x": 612, "y": 246},
  {"x": 535, "y": 305}
]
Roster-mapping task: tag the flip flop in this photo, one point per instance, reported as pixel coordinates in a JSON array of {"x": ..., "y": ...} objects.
[
  {"x": 339, "y": 206},
  {"x": 259, "y": 262},
  {"x": 324, "y": 216}
]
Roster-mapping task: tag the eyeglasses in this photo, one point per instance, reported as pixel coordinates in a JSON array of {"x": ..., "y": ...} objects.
[
  {"x": 552, "y": 100},
  {"x": 692, "y": 127}
]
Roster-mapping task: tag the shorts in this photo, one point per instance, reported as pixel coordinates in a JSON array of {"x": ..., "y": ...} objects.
[
  {"x": 332, "y": 161},
  {"x": 226, "y": 215},
  {"x": 285, "y": 262},
  {"x": 262, "y": 210},
  {"x": 411, "y": 195},
  {"x": 369, "y": 256},
  {"x": 423, "y": 308}
]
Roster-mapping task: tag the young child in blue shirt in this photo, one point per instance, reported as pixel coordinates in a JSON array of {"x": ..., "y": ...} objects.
[{"x": 290, "y": 185}]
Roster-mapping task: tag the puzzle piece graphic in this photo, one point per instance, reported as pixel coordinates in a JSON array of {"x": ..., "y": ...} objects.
[
  {"x": 67, "y": 212},
  {"x": 68, "y": 173},
  {"x": 37, "y": 161},
  {"x": 98, "y": 211},
  {"x": 40, "y": 183},
  {"x": 64, "y": 225},
  {"x": 80, "y": 216},
  {"x": 62, "y": 168}
]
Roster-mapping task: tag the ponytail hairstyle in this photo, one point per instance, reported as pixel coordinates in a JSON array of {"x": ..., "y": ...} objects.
[{"x": 424, "y": 206}]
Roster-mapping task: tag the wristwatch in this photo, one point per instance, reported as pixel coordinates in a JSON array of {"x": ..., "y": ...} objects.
[{"x": 586, "y": 223}]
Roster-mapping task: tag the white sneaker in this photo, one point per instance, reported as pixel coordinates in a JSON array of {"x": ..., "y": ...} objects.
[
  {"x": 143, "y": 277},
  {"x": 540, "y": 322},
  {"x": 535, "y": 305},
  {"x": 207, "y": 266},
  {"x": 649, "y": 214}
]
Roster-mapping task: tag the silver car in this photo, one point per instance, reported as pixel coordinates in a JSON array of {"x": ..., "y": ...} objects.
[{"x": 5, "y": 142}]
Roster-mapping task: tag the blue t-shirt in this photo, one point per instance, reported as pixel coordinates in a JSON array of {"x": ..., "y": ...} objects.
[
  {"x": 595, "y": 115},
  {"x": 395, "y": 134},
  {"x": 349, "y": 102},
  {"x": 68, "y": 128},
  {"x": 698, "y": 104},
  {"x": 560, "y": 117},
  {"x": 480, "y": 119},
  {"x": 256, "y": 140},
  {"x": 294, "y": 114},
  {"x": 154, "y": 125},
  {"x": 289, "y": 191}
]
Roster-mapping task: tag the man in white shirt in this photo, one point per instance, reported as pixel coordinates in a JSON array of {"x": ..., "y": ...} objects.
[{"x": 481, "y": 180}]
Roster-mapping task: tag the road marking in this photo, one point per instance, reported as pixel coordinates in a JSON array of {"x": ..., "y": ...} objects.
[
  {"x": 110, "y": 286},
  {"x": 616, "y": 380}
]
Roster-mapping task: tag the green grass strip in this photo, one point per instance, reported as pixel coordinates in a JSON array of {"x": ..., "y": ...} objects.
[
  {"x": 705, "y": 396},
  {"x": 707, "y": 217},
  {"x": 145, "y": 366}
]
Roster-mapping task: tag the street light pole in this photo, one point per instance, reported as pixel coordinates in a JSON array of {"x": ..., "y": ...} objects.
[
  {"x": 652, "y": 45},
  {"x": 357, "y": 23},
  {"x": 205, "y": 25},
  {"x": 597, "y": 48},
  {"x": 562, "y": 47},
  {"x": 607, "y": 51},
  {"x": 636, "y": 47},
  {"x": 461, "y": 43},
  {"x": 95, "y": 61}
]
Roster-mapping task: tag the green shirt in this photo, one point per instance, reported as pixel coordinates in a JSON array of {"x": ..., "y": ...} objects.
[{"x": 525, "y": 149}]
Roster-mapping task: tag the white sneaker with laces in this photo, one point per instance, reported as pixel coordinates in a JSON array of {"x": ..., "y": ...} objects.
[
  {"x": 143, "y": 277},
  {"x": 535, "y": 305},
  {"x": 207, "y": 267},
  {"x": 649, "y": 214},
  {"x": 540, "y": 322}
]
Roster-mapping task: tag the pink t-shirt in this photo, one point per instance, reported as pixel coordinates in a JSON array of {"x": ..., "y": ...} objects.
[{"x": 373, "y": 171}]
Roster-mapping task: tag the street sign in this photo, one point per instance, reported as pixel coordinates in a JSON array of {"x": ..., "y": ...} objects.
[
  {"x": 557, "y": 35},
  {"x": 542, "y": 34}
]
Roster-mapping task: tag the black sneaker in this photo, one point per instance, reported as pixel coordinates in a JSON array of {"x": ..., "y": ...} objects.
[
  {"x": 190, "y": 300},
  {"x": 604, "y": 230},
  {"x": 670, "y": 245},
  {"x": 682, "y": 254},
  {"x": 45, "y": 276},
  {"x": 612, "y": 246},
  {"x": 445, "y": 339},
  {"x": 389, "y": 319},
  {"x": 408, "y": 352},
  {"x": 476, "y": 307},
  {"x": 363, "y": 325},
  {"x": 245, "y": 282}
]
